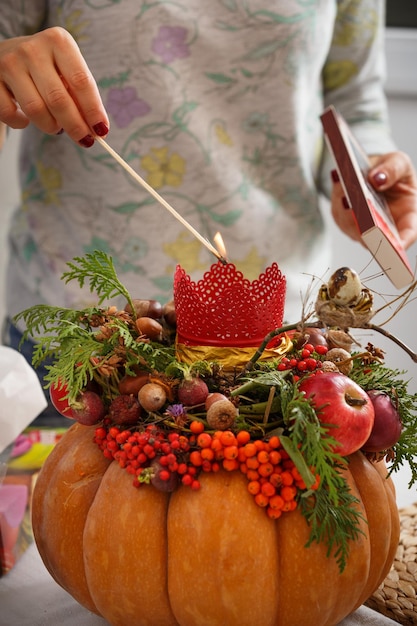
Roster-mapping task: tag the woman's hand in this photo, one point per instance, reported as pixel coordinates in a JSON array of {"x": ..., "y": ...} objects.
[
  {"x": 393, "y": 175},
  {"x": 45, "y": 80}
]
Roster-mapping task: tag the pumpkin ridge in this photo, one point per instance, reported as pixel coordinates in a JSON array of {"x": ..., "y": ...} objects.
[
  {"x": 380, "y": 531},
  {"x": 356, "y": 573}
]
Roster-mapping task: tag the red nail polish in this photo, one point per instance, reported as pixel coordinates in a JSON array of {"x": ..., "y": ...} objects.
[
  {"x": 335, "y": 176},
  {"x": 380, "y": 178},
  {"x": 345, "y": 203},
  {"x": 87, "y": 141},
  {"x": 101, "y": 129}
]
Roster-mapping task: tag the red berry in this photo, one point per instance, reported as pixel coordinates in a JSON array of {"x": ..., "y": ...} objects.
[
  {"x": 187, "y": 479},
  {"x": 164, "y": 475}
]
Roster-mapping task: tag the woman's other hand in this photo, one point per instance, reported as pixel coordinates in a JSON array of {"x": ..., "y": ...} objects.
[{"x": 393, "y": 175}]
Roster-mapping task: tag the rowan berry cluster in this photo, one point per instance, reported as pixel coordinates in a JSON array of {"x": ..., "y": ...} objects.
[
  {"x": 273, "y": 479},
  {"x": 305, "y": 360}
]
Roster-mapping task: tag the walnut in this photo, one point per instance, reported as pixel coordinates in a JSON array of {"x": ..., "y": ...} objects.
[{"x": 341, "y": 358}]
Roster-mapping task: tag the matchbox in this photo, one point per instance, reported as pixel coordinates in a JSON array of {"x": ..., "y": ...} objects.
[{"x": 371, "y": 212}]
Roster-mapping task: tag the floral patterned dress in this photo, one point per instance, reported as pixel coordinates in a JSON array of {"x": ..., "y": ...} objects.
[{"x": 216, "y": 104}]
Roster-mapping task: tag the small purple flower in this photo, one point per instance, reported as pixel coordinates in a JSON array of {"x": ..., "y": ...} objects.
[
  {"x": 177, "y": 412},
  {"x": 124, "y": 105},
  {"x": 170, "y": 44}
]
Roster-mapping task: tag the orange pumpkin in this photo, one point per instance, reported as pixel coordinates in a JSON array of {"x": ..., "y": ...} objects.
[{"x": 212, "y": 557}]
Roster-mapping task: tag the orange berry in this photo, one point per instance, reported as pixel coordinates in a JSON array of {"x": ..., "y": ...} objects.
[
  {"x": 290, "y": 505},
  {"x": 243, "y": 437},
  {"x": 296, "y": 474},
  {"x": 274, "y": 442},
  {"x": 254, "y": 487},
  {"x": 250, "y": 449},
  {"x": 204, "y": 440},
  {"x": 195, "y": 458},
  {"x": 228, "y": 438},
  {"x": 273, "y": 513},
  {"x": 316, "y": 483},
  {"x": 265, "y": 469},
  {"x": 219, "y": 454},
  {"x": 230, "y": 464},
  {"x": 252, "y": 462},
  {"x": 241, "y": 455},
  {"x": 288, "y": 492},
  {"x": 275, "y": 457},
  {"x": 275, "y": 479},
  {"x": 268, "y": 489},
  {"x": 287, "y": 478},
  {"x": 263, "y": 456},
  {"x": 207, "y": 454},
  {"x": 252, "y": 474},
  {"x": 261, "y": 500},
  {"x": 276, "y": 502},
  {"x": 216, "y": 444},
  {"x": 260, "y": 445},
  {"x": 196, "y": 427},
  {"x": 231, "y": 452}
]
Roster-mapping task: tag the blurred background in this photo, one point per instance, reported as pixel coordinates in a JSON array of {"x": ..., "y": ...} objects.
[{"x": 401, "y": 87}]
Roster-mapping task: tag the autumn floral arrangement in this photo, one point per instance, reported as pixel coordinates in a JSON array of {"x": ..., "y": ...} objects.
[{"x": 286, "y": 413}]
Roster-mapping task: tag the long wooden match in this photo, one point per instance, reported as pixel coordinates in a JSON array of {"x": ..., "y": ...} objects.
[{"x": 160, "y": 199}]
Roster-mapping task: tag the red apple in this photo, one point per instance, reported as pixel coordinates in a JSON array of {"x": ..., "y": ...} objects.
[
  {"x": 387, "y": 425},
  {"x": 341, "y": 402},
  {"x": 58, "y": 393}
]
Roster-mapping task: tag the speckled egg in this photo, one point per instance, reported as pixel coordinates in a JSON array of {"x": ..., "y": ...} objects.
[{"x": 344, "y": 286}]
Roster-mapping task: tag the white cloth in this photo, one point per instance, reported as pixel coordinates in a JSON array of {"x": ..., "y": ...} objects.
[{"x": 30, "y": 597}]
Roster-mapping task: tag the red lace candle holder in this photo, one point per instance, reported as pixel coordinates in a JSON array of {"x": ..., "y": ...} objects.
[{"x": 225, "y": 309}]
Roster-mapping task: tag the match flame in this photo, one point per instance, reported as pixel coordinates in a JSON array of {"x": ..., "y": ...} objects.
[{"x": 219, "y": 244}]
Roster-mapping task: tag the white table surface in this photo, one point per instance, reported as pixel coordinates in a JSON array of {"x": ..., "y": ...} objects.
[{"x": 30, "y": 597}]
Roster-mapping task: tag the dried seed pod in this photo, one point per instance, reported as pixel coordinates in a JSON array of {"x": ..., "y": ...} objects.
[
  {"x": 221, "y": 415},
  {"x": 341, "y": 358},
  {"x": 339, "y": 339}
]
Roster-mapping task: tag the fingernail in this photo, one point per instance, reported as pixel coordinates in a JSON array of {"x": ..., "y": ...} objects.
[
  {"x": 335, "y": 176},
  {"x": 380, "y": 178},
  {"x": 87, "y": 141},
  {"x": 101, "y": 129},
  {"x": 345, "y": 203}
]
